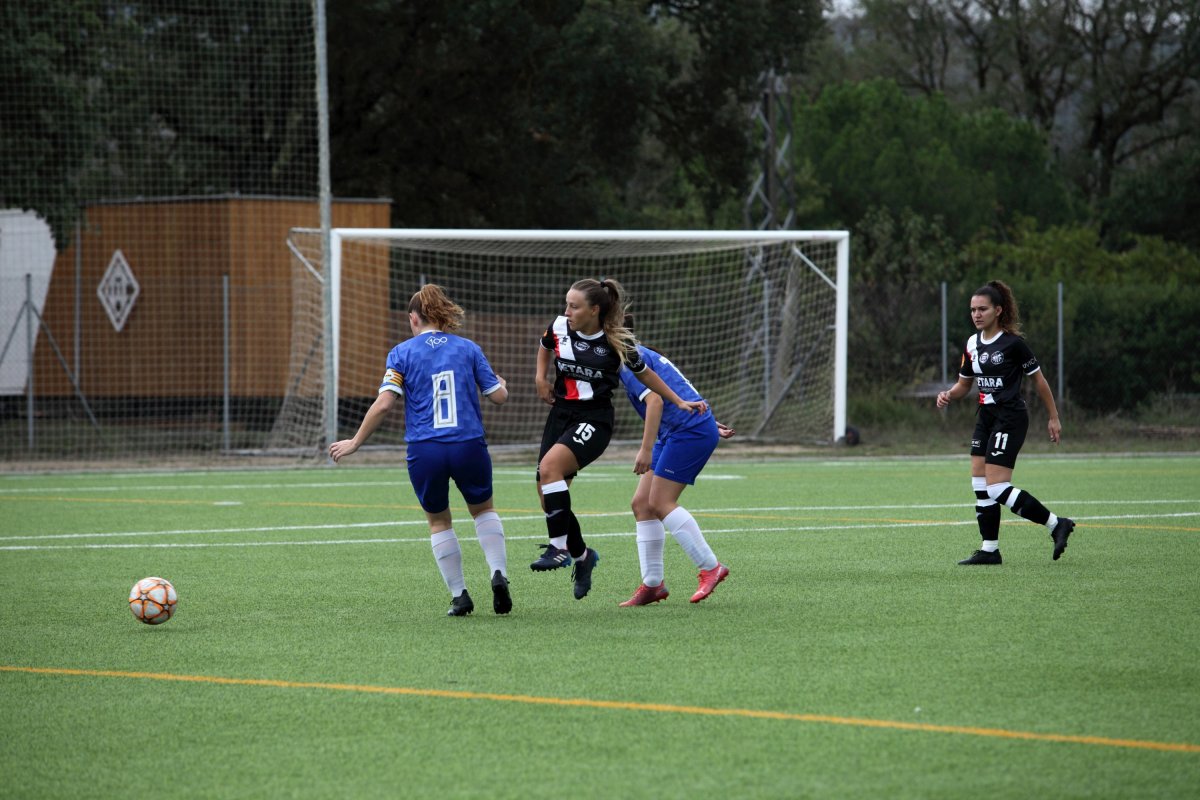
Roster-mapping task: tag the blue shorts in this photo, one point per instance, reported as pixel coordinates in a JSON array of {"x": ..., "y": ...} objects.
[
  {"x": 432, "y": 465},
  {"x": 682, "y": 454}
]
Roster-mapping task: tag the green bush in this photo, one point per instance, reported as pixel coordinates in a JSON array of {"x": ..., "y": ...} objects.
[{"x": 1128, "y": 343}]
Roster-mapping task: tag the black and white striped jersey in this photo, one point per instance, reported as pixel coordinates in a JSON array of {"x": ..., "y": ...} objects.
[
  {"x": 997, "y": 367},
  {"x": 586, "y": 369}
]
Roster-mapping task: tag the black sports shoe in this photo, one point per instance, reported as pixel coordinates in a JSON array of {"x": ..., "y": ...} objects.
[
  {"x": 982, "y": 557},
  {"x": 582, "y": 573},
  {"x": 461, "y": 605},
  {"x": 551, "y": 558},
  {"x": 501, "y": 599},
  {"x": 1061, "y": 531}
]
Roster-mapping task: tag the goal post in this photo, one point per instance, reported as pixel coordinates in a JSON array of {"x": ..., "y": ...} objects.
[{"x": 757, "y": 320}]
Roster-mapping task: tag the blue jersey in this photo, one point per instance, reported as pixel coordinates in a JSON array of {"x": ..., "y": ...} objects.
[
  {"x": 440, "y": 376},
  {"x": 673, "y": 418}
]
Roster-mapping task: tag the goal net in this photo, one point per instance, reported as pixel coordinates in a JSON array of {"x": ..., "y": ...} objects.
[
  {"x": 756, "y": 320},
  {"x": 155, "y": 156}
]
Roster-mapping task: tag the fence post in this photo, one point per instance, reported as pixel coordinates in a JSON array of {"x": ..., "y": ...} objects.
[
  {"x": 1060, "y": 342},
  {"x": 945, "y": 337},
  {"x": 78, "y": 327},
  {"x": 225, "y": 358},
  {"x": 28, "y": 309}
]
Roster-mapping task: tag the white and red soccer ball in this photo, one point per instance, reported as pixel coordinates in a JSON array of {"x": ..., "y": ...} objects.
[{"x": 153, "y": 600}]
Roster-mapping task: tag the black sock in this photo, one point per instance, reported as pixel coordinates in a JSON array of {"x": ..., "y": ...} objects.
[
  {"x": 1022, "y": 503},
  {"x": 560, "y": 521},
  {"x": 988, "y": 518},
  {"x": 1031, "y": 509}
]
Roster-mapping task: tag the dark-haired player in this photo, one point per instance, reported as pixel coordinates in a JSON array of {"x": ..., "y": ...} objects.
[{"x": 996, "y": 358}]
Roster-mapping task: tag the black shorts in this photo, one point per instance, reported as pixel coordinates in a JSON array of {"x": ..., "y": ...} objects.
[
  {"x": 999, "y": 434},
  {"x": 586, "y": 431}
]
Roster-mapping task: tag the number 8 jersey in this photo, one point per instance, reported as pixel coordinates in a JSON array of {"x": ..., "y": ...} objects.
[{"x": 440, "y": 376}]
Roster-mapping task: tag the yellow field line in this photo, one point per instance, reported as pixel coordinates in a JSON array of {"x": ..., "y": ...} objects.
[{"x": 662, "y": 708}]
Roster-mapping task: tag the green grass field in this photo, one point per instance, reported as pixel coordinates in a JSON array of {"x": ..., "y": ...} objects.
[{"x": 846, "y": 656}]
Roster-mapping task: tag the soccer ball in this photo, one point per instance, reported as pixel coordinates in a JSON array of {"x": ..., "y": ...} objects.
[{"x": 152, "y": 600}]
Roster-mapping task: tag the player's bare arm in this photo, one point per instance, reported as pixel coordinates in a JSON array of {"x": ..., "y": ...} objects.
[
  {"x": 499, "y": 396},
  {"x": 1054, "y": 425},
  {"x": 955, "y": 392},
  {"x": 543, "y": 380},
  {"x": 371, "y": 421},
  {"x": 654, "y": 409},
  {"x": 651, "y": 381}
]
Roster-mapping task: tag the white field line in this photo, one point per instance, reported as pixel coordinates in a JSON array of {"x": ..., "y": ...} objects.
[
  {"x": 424, "y": 539},
  {"x": 596, "y": 515},
  {"x": 401, "y": 483}
]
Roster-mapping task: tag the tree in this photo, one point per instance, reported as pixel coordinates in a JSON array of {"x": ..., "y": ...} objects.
[
  {"x": 208, "y": 100},
  {"x": 1127, "y": 315},
  {"x": 551, "y": 114},
  {"x": 870, "y": 145},
  {"x": 1142, "y": 62},
  {"x": 109, "y": 100},
  {"x": 1111, "y": 82},
  {"x": 900, "y": 259},
  {"x": 1162, "y": 199},
  {"x": 50, "y": 129}
]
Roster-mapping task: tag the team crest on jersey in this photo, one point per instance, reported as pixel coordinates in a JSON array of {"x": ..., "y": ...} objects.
[
  {"x": 601, "y": 350},
  {"x": 983, "y": 358},
  {"x": 997, "y": 358},
  {"x": 436, "y": 341},
  {"x": 582, "y": 346}
]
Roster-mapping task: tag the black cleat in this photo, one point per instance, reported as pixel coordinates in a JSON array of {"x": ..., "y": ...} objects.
[
  {"x": 501, "y": 599},
  {"x": 1061, "y": 532},
  {"x": 552, "y": 558},
  {"x": 982, "y": 557},
  {"x": 461, "y": 605},
  {"x": 582, "y": 573}
]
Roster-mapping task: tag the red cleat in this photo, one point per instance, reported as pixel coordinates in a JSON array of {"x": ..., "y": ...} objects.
[
  {"x": 645, "y": 595},
  {"x": 709, "y": 578}
]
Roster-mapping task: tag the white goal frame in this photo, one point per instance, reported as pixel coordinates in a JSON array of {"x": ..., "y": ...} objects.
[{"x": 839, "y": 283}]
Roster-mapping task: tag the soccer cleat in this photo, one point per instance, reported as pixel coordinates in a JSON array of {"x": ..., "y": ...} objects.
[
  {"x": 501, "y": 599},
  {"x": 552, "y": 558},
  {"x": 709, "y": 578},
  {"x": 982, "y": 557},
  {"x": 582, "y": 573},
  {"x": 461, "y": 605},
  {"x": 1061, "y": 531},
  {"x": 645, "y": 595}
]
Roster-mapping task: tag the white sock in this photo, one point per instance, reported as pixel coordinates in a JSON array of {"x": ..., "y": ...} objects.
[
  {"x": 1050, "y": 523},
  {"x": 990, "y": 545},
  {"x": 557, "y": 486},
  {"x": 449, "y": 560},
  {"x": 650, "y": 538},
  {"x": 490, "y": 532},
  {"x": 683, "y": 527}
]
